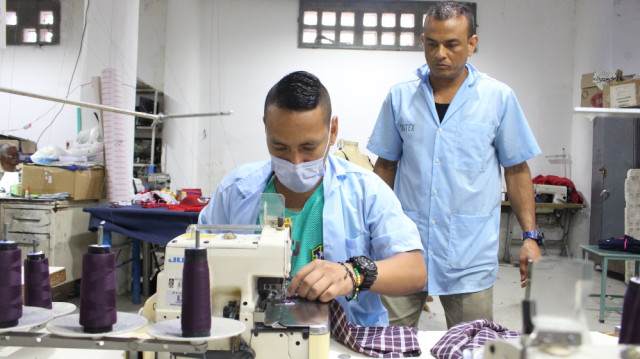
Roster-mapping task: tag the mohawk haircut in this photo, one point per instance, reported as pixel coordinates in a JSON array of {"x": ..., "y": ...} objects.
[{"x": 299, "y": 91}]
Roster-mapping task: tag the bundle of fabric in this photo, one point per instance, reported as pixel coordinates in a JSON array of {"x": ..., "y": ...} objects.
[
  {"x": 572, "y": 192},
  {"x": 626, "y": 244},
  {"x": 379, "y": 342},
  {"x": 155, "y": 198},
  {"x": 164, "y": 198},
  {"x": 470, "y": 336}
]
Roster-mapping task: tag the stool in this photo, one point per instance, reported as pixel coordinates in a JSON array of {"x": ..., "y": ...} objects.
[{"x": 606, "y": 256}]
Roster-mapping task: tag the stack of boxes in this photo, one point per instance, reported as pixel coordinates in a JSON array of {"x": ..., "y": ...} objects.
[
  {"x": 79, "y": 184},
  {"x": 616, "y": 90}
]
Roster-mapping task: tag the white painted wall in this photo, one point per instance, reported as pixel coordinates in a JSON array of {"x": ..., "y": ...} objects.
[
  {"x": 45, "y": 70},
  {"x": 151, "y": 42},
  {"x": 251, "y": 44},
  {"x": 539, "y": 48},
  {"x": 49, "y": 70},
  {"x": 225, "y": 55}
]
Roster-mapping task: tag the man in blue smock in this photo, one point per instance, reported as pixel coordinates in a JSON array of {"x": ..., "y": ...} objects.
[
  {"x": 343, "y": 216},
  {"x": 441, "y": 140}
]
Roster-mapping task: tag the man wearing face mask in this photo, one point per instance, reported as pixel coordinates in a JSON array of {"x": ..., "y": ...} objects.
[{"x": 348, "y": 222}]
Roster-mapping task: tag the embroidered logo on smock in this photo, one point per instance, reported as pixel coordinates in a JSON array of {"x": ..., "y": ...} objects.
[
  {"x": 406, "y": 127},
  {"x": 316, "y": 253}
]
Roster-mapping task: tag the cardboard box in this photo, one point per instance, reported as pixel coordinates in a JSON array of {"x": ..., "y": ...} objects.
[
  {"x": 592, "y": 95},
  {"x": 621, "y": 93},
  {"x": 80, "y": 184}
]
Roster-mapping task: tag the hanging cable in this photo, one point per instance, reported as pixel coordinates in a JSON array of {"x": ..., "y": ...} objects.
[{"x": 75, "y": 66}]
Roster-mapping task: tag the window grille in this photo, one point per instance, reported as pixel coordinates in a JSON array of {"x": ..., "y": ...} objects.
[
  {"x": 360, "y": 24},
  {"x": 33, "y": 22}
]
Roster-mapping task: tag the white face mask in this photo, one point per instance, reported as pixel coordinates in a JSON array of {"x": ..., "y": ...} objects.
[{"x": 302, "y": 177}]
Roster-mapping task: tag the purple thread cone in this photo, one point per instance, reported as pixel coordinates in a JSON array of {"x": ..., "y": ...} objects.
[
  {"x": 10, "y": 284},
  {"x": 630, "y": 325},
  {"x": 98, "y": 290},
  {"x": 37, "y": 285},
  {"x": 196, "y": 298}
]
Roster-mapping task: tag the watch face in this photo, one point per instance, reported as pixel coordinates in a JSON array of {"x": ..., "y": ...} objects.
[
  {"x": 368, "y": 269},
  {"x": 366, "y": 264}
]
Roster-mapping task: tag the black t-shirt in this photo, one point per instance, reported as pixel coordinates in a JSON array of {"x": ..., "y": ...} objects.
[{"x": 441, "y": 108}]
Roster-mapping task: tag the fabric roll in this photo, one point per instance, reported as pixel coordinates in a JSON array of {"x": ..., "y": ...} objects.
[{"x": 119, "y": 132}]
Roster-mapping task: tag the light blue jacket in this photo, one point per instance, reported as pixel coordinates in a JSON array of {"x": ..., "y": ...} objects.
[
  {"x": 449, "y": 177},
  {"x": 361, "y": 216}
]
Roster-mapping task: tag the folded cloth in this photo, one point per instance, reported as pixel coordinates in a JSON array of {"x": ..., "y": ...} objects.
[
  {"x": 152, "y": 205},
  {"x": 174, "y": 207},
  {"x": 469, "y": 335},
  {"x": 626, "y": 243},
  {"x": 185, "y": 207},
  {"x": 379, "y": 342},
  {"x": 59, "y": 195}
]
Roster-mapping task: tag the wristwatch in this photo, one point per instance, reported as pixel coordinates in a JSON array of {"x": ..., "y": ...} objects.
[
  {"x": 536, "y": 235},
  {"x": 367, "y": 268}
]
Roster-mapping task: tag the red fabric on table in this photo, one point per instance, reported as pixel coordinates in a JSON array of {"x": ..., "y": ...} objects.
[{"x": 574, "y": 195}]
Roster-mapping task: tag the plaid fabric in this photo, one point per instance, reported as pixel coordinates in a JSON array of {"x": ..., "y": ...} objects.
[
  {"x": 379, "y": 342},
  {"x": 469, "y": 335}
]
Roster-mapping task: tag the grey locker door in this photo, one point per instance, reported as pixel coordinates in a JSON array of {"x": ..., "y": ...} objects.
[{"x": 615, "y": 151}]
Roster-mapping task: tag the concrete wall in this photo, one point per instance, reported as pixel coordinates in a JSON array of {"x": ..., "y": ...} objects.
[
  {"x": 218, "y": 55},
  {"x": 251, "y": 44}
]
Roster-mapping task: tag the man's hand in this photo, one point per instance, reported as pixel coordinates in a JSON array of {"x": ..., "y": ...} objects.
[
  {"x": 321, "y": 280},
  {"x": 530, "y": 250}
]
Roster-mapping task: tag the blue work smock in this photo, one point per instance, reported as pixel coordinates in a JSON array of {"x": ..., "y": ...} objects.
[
  {"x": 449, "y": 177},
  {"x": 361, "y": 216}
]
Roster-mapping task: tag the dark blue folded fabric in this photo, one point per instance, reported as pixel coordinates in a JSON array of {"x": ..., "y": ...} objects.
[
  {"x": 626, "y": 244},
  {"x": 154, "y": 225},
  {"x": 74, "y": 167}
]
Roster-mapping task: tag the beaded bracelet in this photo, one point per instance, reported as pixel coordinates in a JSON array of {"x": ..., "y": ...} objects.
[
  {"x": 356, "y": 289},
  {"x": 354, "y": 281}
]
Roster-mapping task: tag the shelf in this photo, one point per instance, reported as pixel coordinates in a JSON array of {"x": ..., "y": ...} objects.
[
  {"x": 609, "y": 112},
  {"x": 148, "y": 135}
]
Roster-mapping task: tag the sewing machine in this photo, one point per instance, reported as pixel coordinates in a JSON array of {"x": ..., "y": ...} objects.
[
  {"x": 550, "y": 193},
  {"x": 158, "y": 180},
  {"x": 555, "y": 325},
  {"x": 248, "y": 267}
]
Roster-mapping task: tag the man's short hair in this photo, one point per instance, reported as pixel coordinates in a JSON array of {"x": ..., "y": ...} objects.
[
  {"x": 444, "y": 10},
  {"x": 299, "y": 91},
  {"x": 4, "y": 149}
]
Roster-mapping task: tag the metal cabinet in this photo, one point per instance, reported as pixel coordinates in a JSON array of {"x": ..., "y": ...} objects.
[
  {"x": 59, "y": 229},
  {"x": 616, "y": 149}
]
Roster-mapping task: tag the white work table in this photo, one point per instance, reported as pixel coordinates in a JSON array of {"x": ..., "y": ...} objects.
[{"x": 427, "y": 340}]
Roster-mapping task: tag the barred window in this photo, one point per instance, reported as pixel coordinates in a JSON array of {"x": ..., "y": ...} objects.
[
  {"x": 33, "y": 22},
  {"x": 360, "y": 24}
]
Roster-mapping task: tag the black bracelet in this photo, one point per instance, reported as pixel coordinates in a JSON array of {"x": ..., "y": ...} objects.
[{"x": 354, "y": 294}]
